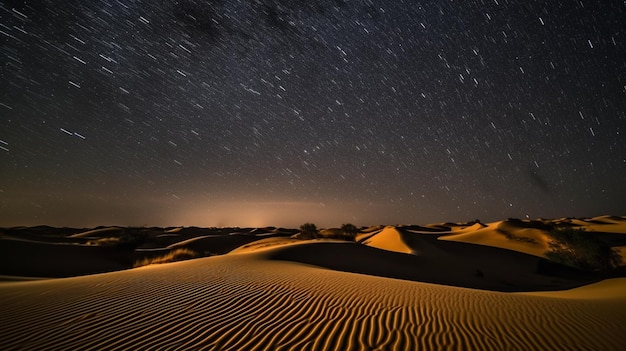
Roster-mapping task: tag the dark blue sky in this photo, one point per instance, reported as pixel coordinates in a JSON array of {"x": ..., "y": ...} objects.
[{"x": 276, "y": 113}]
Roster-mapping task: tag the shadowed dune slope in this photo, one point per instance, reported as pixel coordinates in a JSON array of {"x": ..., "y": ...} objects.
[
  {"x": 37, "y": 259},
  {"x": 440, "y": 262},
  {"x": 247, "y": 302},
  {"x": 65, "y": 252}
]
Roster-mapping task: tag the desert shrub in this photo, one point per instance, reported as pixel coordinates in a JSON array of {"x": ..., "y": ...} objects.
[
  {"x": 514, "y": 237},
  {"x": 580, "y": 249},
  {"x": 172, "y": 256},
  {"x": 308, "y": 231},
  {"x": 349, "y": 231}
]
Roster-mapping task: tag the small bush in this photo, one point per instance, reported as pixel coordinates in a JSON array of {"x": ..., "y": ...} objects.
[
  {"x": 308, "y": 231},
  {"x": 580, "y": 249},
  {"x": 349, "y": 231},
  {"x": 172, "y": 256},
  {"x": 514, "y": 237}
]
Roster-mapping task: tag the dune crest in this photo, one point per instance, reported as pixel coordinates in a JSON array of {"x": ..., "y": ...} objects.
[
  {"x": 389, "y": 239},
  {"x": 245, "y": 302},
  {"x": 609, "y": 289},
  {"x": 504, "y": 235},
  {"x": 96, "y": 232}
]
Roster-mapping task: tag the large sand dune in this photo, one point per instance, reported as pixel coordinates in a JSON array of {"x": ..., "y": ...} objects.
[
  {"x": 279, "y": 293},
  {"x": 246, "y": 302}
]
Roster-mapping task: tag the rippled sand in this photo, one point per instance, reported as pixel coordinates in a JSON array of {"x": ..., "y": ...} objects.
[
  {"x": 250, "y": 302},
  {"x": 274, "y": 292}
]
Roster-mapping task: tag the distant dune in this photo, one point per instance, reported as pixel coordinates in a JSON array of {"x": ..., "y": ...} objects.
[{"x": 448, "y": 286}]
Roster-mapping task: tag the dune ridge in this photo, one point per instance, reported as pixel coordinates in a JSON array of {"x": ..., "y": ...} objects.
[
  {"x": 504, "y": 234},
  {"x": 389, "y": 239},
  {"x": 250, "y": 302}
]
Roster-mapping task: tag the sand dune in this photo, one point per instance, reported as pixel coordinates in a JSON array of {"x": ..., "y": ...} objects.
[
  {"x": 504, "y": 235},
  {"x": 445, "y": 286},
  {"x": 40, "y": 259},
  {"x": 388, "y": 239},
  {"x": 612, "y": 224},
  {"x": 440, "y": 262},
  {"x": 216, "y": 244},
  {"x": 64, "y": 252},
  {"x": 531, "y": 237},
  {"x": 97, "y": 232},
  {"x": 249, "y": 302},
  {"x": 609, "y": 289}
]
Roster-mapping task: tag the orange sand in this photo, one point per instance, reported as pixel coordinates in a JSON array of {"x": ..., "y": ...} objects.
[{"x": 286, "y": 294}]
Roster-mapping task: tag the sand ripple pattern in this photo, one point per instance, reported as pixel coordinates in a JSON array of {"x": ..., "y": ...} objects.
[{"x": 246, "y": 303}]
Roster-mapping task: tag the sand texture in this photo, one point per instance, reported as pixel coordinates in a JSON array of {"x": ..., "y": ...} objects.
[{"x": 402, "y": 290}]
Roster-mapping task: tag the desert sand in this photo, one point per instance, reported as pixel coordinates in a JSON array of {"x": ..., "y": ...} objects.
[{"x": 395, "y": 288}]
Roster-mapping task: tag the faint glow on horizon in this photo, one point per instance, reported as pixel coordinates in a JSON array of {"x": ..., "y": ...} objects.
[{"x": 265, "y": 213}]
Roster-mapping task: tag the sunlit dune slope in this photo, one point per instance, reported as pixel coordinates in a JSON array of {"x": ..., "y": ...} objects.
[
  {"x": 254, "y": 302},
  {"x": 100, "y": 232},
  {"x": 388, "y": 239},
  {"x": 267, "y": 243},
  {"x": 214, "y": 244},
  {"x": 531, "y": 237},
  {"x": 611, "y": 224},
  {"x": 506, "y": 235},
  {"x": 609, "y": 289}
]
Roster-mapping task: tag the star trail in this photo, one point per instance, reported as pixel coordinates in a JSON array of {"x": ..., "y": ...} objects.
[{"x": 277, "y": 112}]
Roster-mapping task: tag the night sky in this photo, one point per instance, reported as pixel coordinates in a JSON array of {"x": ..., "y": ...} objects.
[{"x": 279, "y": 112}]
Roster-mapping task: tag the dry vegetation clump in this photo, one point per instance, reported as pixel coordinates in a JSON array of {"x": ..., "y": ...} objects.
[
  {"x": 583, "y": 250},
  {"x": 180, "y": 254},
  {"x": 308, "y": 231},
  {"x": 514, "y": 237},
  {"x": 107, "y": 241},
  {"x": 349, "y": 231}
]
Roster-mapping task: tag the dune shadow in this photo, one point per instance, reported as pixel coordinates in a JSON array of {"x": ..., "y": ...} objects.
[{"x": 454, "y": 264}]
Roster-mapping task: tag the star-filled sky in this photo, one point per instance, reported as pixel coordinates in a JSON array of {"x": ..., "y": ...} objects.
[{"x": 279, "y": 112}]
